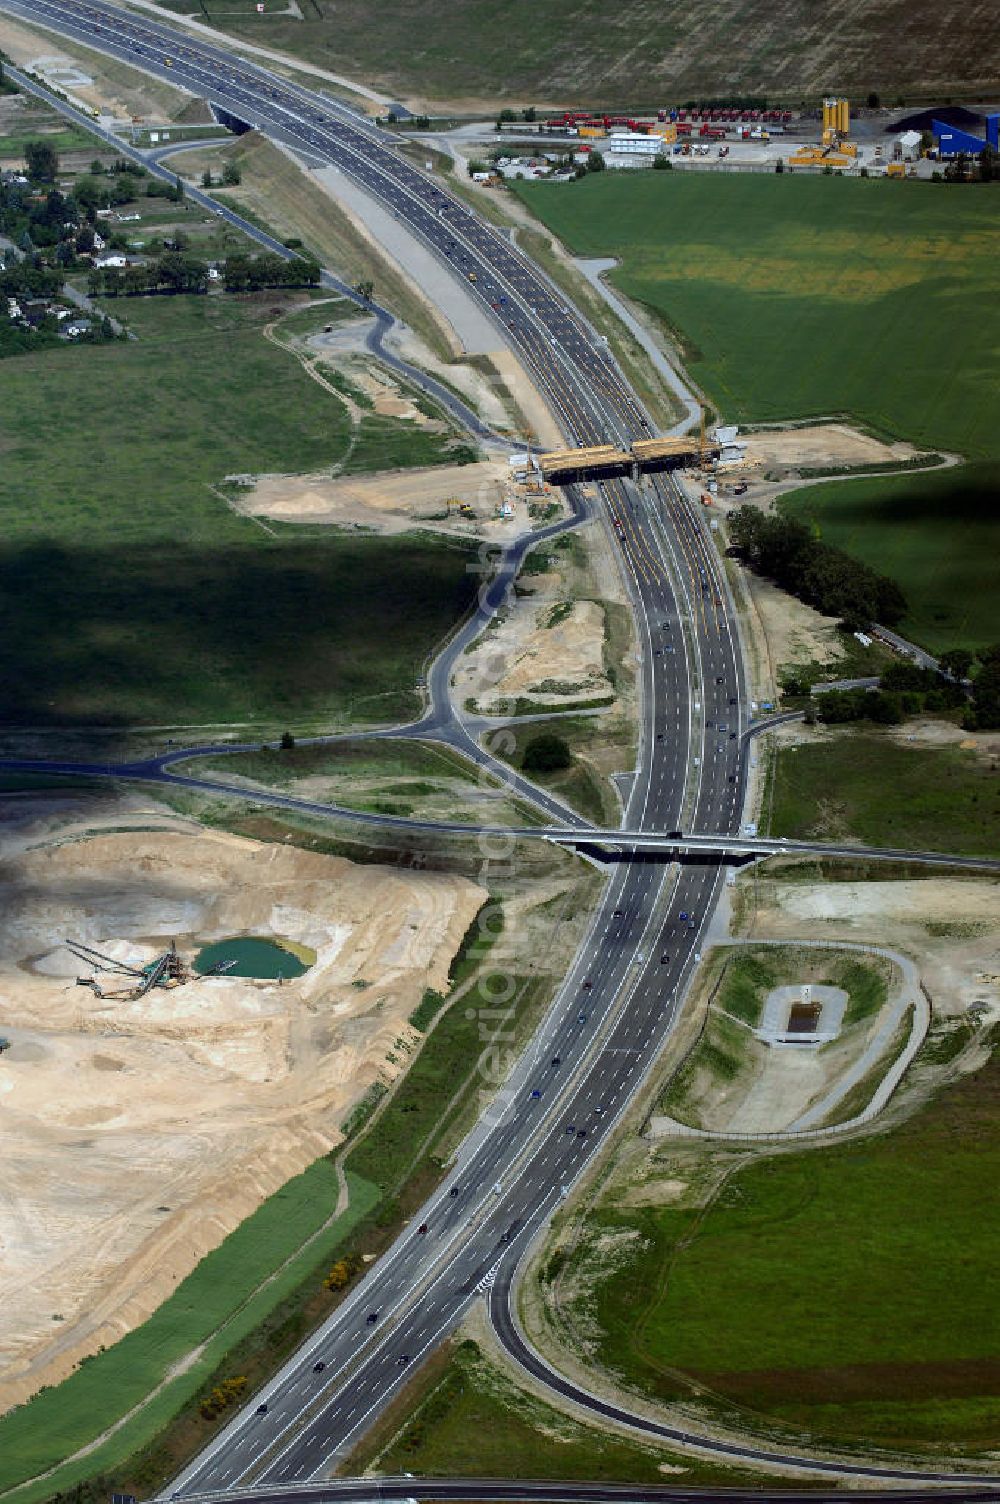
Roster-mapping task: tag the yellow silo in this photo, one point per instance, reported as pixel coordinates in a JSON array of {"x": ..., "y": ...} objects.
[{"x": 844, "y": 116}]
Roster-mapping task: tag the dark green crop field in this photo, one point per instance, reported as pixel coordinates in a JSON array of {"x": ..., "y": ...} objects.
[
  {"x": 131, "y": 591},
  {"x": 797, "y": 298},
  {"x": 639, "y": 53},
  {"x": 838, "y": 1290}
]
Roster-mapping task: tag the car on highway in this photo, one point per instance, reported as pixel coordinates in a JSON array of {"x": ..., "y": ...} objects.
[
  {"x": 535, "y": 1094},
  {"x": 372, "y": 1318},
  {"x": 319, "y": 1367},
  {"x": 262, "y": 1409},
  {"x": 556, "y": 1060}
]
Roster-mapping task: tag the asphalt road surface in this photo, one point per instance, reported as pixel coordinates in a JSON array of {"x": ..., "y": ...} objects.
[{"x": 619, "y": 1000}]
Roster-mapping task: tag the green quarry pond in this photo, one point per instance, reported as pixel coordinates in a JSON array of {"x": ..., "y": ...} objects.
[{"x": 255, "y": 956}]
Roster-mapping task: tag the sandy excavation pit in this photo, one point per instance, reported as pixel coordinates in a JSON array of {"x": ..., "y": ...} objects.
[{"x": 138, "y": 1133}]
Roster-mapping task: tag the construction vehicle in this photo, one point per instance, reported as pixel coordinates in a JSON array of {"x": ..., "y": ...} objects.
[
  {"x": 461, "y": 507},
  {"x": 166, "y": 970}
]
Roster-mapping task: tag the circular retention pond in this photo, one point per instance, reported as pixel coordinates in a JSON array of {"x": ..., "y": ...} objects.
[{"x": 254, "y": 956}]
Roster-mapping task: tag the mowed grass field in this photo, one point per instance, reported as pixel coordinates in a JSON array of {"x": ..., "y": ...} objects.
[
  {"x": 840, "y": 1290},
  {"x": 639, "y": 53},
  {"x": 797, "y": 298},
  {"x": 867, "y": 787},
  {"x": 131, "y": 592}
]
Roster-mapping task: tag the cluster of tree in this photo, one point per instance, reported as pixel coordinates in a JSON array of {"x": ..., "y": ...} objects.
[
  {"x": 343, "y": 1271},
  {"x": 221, "y": 1397},
  {"x": 157, "y": 188},
  {"x": 823, "y": 576},
  {"x": 984, "y": 711},
  {"x": 251, "y": 273},
  {"x": 546, "y": 753},
  {"x": 25, "y": 279},
  {"x": 594, "y": 163},
  {"x": 171, "y": 273},
  {"x": 904, "y": 689},
  {"x": 662, "y": 163},
  {"x": 231, "y": 176}
]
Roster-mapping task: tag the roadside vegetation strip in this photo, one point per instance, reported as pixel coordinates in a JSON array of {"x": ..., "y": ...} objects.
[
  {"x": 868, "y": 786},
  {"x": 755, "y": 293},
  {"x": 225, "y": 1298},
  {"x": 464, "y": 1416},
  {"x": 814, "y": 1291}
]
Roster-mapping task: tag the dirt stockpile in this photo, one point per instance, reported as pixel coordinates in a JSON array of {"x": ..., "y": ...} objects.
[
  {"x": 824, "y": 445},
  {"x": 395, "y": 501},
  {"x": 138, "y": 1133},
  {"x": 547, "y": 650}
]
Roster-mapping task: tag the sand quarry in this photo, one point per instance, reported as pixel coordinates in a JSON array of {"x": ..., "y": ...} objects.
[{"x": 137, "y": 1134}]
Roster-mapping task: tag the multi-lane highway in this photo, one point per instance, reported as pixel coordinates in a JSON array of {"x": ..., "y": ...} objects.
[{"x": 619, "y": 1001}]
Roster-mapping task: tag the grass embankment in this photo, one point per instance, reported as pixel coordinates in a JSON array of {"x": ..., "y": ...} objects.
[
  {"x": 865, "y": 786},
  {"x": 840, "y": 1290},
  {"x": 581, "y": 785},
  {"x": 225, "y": 1299},
  {"x": 561, "y": 51},
  {"x": 464, "y": 1417},
  {"x": 404, "y": 778},
  {"x": 132, "y": 592},
  {"x": 281, "y": 196},
  {"x": 796, "y": 298},
  {"x": 740, "y": 981}
]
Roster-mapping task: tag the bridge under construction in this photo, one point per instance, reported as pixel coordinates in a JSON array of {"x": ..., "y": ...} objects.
[{"x": 606, "y": 461}]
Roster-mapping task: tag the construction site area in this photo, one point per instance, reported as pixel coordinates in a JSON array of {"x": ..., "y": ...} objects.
[
  {"x": 498, "y": 497},
  {"x": 151, "y": 1097}
]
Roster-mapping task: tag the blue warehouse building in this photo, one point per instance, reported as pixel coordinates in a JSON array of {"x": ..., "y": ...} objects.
[{"x": 951, "y": 139}]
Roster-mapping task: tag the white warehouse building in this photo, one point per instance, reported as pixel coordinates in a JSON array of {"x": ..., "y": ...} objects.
[{"x": 632, "y": 149}]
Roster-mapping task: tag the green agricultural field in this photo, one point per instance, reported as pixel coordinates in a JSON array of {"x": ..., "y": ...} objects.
[
  {"x": 937, "y": 534},
  {"x": 796, "y": 298},
  {"x": 131, "y": 592},
  {"x": 219, "y": 1304},
  {"x": 867, "y": 786},
  {"x": 580, "y": 53},
  {"x": 837, "y": 1290}
]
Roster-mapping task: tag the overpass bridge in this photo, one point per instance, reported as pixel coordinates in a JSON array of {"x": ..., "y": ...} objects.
[
  {"x": 607, "y": 461},
  {"x": 610, "y": 845}
]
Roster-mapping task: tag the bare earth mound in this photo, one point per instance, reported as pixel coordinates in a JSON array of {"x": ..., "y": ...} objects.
[{"x": 137, "y": 1134}]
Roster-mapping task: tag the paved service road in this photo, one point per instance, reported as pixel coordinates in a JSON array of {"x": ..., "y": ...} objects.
[{"x": 618, "y": 1002}]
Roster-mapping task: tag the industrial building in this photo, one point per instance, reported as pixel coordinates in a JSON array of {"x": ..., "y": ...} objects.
[
  {"x": 627, "y": 148},
  {"x": 952, "y": 141}
]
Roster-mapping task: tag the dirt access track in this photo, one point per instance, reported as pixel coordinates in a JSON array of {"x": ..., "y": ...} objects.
[{"x": 137, "y": 1134}]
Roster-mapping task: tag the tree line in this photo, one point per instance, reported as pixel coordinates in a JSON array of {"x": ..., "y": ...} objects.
[
  {"x": 177, "y": 272},
  {"x": 789, "y": 553}
]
